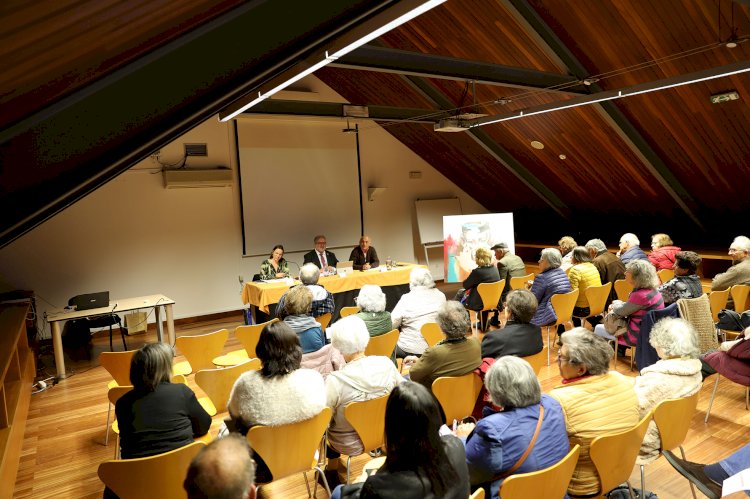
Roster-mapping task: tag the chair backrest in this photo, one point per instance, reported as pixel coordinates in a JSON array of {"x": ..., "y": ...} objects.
[
  {"x": 383, "y": 344},
  {"x": 665, "y": 275},
  {"x": 218, "y": 383},
  {"x": 114, "y": 393},
  {"x": 563, "y": 304},
  {"x": 457, "y": 394},
  {"x": 477, "y": 494},
  {"x": 597, "y": 298},
  {"x": 249, "y": 336},
  {"x": 718, "y": 301},
  {"x": 490, "y": 293},
  {"x": 347, "y": 311},
  {"x": 673, "y": 418},
  {"x": 622, "y": 289},
  {"x": 739, "y": 297},
  {"x": 368, "y": 420},
  {"x": 538, "y": 360},
  {"x": 117, "y": 365},
  {"x": 549, "y": 482},
  {"x": 324, "y": 320},
  {"x": 614, "y": 454},
  {"x": 179, "y": 378},
  {"x": 290, "y": 448},
  {"x": 520, "y": 282},
  {"x": 432, "y": 333},
  {"x": 160, "y": 476},
  {"x": 200, "y": 349}
]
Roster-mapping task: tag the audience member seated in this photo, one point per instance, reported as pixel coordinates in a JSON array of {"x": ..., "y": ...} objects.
[
  {"x": 456, "y": 355},
  {"x": 419, "y": 463},
  {"x": 595, "y": 401},
  {"x": 322, "y": 300},
  {"x": 157, "y": 416},
  {"x": 485, "y": 272},
  {"x": 609, "y": 266},
  {"x": 414, "y": 309},
  {"x": 645, "y": 297},
  {"x": 731, "y": 360},
  {"x": 710, "y": 477},
  {"x": 550, "y": 280},
  {"x": 685, "y": 283},
  {"x": 518, "y": 337},
  {"x": 566, "y": 245},
  {"x": 224, "y": 469},
  {"x": 630, "y": 249},
  {"x": 371, "y": 302},
  {"x": 582, "y": 275},
  {"x": 676, "y": 375},
  {"x": 364, "y": 256},
  {"x": 502, "y": 436},
  {"x": 362, "y": 378},
  {"x": 275, "y": 267},
  {"x": 320, "y": 257},
  {"x": 280, "y": 393},
  {"x": 739, "y": 272},
  {"x": 663, "y": 252},
  {"x": 508, "y": 265},
  {"x": 297, "y": 306}
]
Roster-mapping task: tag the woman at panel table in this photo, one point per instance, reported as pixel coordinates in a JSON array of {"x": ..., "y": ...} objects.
[{"x": 275, "y": 267}]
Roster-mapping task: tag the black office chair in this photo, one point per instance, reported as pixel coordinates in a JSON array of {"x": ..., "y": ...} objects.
[{"x": 109, "y": 320}]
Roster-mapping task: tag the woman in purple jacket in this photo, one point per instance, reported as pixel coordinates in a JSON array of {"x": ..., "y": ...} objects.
[{"x": 550, "y": 280}]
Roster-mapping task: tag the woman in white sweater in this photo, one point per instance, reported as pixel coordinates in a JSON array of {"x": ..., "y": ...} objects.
[
  {"x": 676, "y": 375},
  {"x": 413, "y": 310}
]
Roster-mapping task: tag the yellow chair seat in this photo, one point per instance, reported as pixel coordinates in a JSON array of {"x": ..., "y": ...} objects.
[
  {"x": 182, "y": 368},
  {"x": 232, "y": 358}
]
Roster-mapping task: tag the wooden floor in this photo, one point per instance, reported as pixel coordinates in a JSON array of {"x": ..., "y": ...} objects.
[{"x": 64, "y": 440}]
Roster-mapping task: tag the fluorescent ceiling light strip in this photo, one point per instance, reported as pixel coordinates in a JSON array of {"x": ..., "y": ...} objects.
[
  {"x": 387, "y": 27},
  {"x": 619, "y": 95},
  {"x": 330, "y": 58}
]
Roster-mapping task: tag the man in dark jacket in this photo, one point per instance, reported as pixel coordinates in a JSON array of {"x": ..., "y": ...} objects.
[
  {"x": 508, "y": 265},
  {"x": 609, "y": 266},
  {"x": 518, "y": 337}
]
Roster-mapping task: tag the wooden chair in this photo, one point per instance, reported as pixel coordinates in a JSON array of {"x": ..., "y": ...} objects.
[
  {"x": 218, "y": 383},
  {"x": 739, "y": 297},
  {"x": 383, "y": 344},
  {"x": 160, "y": 476},
  {"x": 713, "y": 394},
  {"x": 324, "y": 320},
  {"x": 248, "y": 337},
  {"x": 290, "y": 448},
  {"x": 562, "y": 304},
  {"x": 537, "y": 360},
  {"x": 622, "y": 289},
  {"x": 457, "y": 395},
  {"x": 614, "y": 455},
  {"x": 490, "y": 292},
  {"x": 347, "y": 311},
  {"x": 431, "y": 333},
  {"x": 718, "y": 301},
  {"x": 665, "y": 275},
  {"x": 520, "y": 282},
  {"x": 672, "y": 418},
  {"x": 597, "y": 298},
  {"x": 549, "y": 482},
  {"x": 199, "y": 350},
  {"x": 368, "y": 420},
  {"x": 117, "y": 364},
  {"x": 477, "y": 494},
  {"x": 114, "y": 394}
]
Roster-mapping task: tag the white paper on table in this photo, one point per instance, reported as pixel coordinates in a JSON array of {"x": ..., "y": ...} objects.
[{"x": 736, "y": 483}]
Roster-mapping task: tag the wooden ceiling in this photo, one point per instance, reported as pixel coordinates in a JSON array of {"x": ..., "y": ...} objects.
[{"x": 668, "y": 161}]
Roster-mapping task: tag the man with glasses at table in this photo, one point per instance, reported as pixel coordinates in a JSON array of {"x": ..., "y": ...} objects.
[
  {"x": 322, "y": 258},
  {"x": 739, "y": 272}
]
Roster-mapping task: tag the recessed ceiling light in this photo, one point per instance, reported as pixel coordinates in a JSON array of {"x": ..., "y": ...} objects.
[
  {"x": 562, "y": 156},
  {"x": 536, "y": 144}
]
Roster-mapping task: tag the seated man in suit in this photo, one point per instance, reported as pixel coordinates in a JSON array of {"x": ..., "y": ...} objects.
[
  {"x": 364, "y": 256},
  {"x": 321, "y": 257}
]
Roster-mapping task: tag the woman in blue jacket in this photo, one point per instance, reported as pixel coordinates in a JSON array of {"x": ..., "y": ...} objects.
[{"x": 550, "y": 280}]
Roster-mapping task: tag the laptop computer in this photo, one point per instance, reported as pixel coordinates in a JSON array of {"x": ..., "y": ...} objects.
[
  {"x": 347, "y": 267},
  {"x": 90, "y": 300}
]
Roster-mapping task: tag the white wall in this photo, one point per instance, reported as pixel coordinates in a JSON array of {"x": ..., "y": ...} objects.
[{"x": 133, "y": 237}]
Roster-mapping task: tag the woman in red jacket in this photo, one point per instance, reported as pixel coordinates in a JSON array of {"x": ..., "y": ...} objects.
[{"x": 663, "y": 251}]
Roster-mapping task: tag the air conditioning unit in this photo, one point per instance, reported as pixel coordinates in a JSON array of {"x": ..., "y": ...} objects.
[{"x": 187, "y": 178}]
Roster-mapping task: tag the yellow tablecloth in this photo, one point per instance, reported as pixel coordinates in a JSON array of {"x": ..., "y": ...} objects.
[{"x": 263, "y": 294}]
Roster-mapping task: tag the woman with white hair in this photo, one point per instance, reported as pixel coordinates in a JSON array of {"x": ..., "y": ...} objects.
[
  {"x": 371, "y": 302},
  {"x": 676, "y": 375},
  {"x": 550, "y": 280},
  {"x": 416, "y": 308},
  {"x": 645, "y": 297},
  {"x": 502, "y": 436},
  {"x": 362, "y": 378}
]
